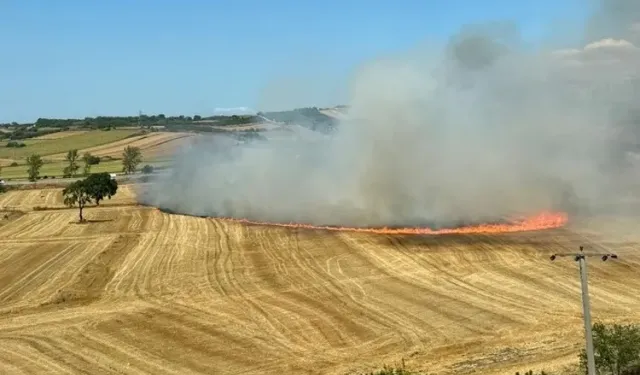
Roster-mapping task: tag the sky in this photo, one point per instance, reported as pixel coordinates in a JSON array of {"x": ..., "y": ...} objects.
[{"x": 78, "y": 58}]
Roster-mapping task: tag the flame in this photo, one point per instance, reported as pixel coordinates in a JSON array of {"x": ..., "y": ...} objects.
[{"x": 544, "y": 220}]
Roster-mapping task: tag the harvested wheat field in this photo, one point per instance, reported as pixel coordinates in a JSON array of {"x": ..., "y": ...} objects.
[
  {"x": 30, "y": 199},
  {"x": 152, "y": 145},
  {"x": 137, "y": 291},
  {"x": 61, "y": 134},
  {"x": 6, "y": 162}
]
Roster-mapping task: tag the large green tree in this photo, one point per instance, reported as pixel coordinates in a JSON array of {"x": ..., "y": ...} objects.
[
  {"x": 616, "y": 348},
  {"x": 89, "y": 160},
  {"x": 76, "y": 194},
  {"x": 34, "y": 163},
  {"x": 71, "y": 158},
  {"x": 100, "y": 186},
  {"x": 95, "y": 188},
  {"x": 131, "y": 157}
]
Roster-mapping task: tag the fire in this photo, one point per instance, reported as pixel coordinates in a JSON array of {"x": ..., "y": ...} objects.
[{"x": 544, "y": 220}]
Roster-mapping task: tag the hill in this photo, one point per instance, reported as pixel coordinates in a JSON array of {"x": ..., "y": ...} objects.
[
  {"x": 156, "y": 135},
  {"x": 156, "y": 148},
  {"x": 136, "y": 290}
]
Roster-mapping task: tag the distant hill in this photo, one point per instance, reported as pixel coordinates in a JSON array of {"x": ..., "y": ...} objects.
[
  {"x": 311, "y": 117},
  {"x": 322, "y": 120}
]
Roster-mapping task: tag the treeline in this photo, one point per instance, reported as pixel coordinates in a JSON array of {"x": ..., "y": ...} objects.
[
  {"x": 24, "y": 132},
  {"x": 310, "y": 117},
  {"x": 102, "y": 122}
]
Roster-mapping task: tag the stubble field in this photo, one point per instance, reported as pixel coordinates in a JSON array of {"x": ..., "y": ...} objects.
[
  {"x": 152, "y": 145},
  {"x": 136, "y": 291}
]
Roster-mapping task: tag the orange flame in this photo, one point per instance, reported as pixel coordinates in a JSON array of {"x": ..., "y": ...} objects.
[{"x": 544, "y": 220}]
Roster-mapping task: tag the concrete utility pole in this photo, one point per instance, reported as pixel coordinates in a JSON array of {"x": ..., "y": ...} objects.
[{"x": 581, "y": 258}]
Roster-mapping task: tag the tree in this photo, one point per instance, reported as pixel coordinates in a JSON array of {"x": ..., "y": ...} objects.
[
  {"x": 616, "y": 349},
  {"x": 99, "y": 186},
  {"x": 89, "y": 160},
  {"x": 72, "y": 159},
  {"x": 95, "y": 188},
  {"x": 14, "y": 144},
  {"x": 86, "y": 158},
  {"x": 76, "y": 193},
  {"x": 34, "y": 162},
  {"x": 147, "y": 169},
  {"x": 131, "y": 157}
]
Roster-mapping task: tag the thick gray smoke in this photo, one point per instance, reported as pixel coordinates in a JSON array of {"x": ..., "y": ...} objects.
[{"x": 484, "y": 128}]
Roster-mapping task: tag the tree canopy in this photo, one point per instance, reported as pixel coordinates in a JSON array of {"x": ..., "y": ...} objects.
[
  {"x": 71, "y": 158},
  {"x": 89, "y": 160},
  {"x": 34, "y": 162},
  {"x": 131, "y": 157},
  {"x": 616, "y": 348},
  {"x": 76, "y": 194},
  {"x": 94, "y": 188},
  {"x": 100, "y": 186}
]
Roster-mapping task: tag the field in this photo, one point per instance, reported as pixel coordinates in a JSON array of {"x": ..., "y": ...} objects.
[
  {"x": 152, "y": 145},
  {"x": 136, "y": 290},
  {"x": 62, "y": 134},
  {"x": 62, "y": 144},
  {"x": 156, "y": 149},
  {"x": 55, "y": 169}
]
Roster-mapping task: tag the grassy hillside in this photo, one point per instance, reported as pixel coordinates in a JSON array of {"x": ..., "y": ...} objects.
[
  {"x": 46, "y": 147},
  {"x": 108, "y": 145}
]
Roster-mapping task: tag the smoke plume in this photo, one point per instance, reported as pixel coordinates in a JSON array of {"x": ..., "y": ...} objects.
[{"x": 485, "y": 127}]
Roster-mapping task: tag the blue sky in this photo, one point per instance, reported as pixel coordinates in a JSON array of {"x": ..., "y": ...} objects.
[{"x": 77, "y": 58}]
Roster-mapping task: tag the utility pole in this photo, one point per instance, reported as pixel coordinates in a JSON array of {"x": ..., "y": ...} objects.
[{"x": 581, "y": 258}]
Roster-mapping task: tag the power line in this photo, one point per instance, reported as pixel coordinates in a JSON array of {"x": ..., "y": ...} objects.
[{"x": 581, "y": 258}]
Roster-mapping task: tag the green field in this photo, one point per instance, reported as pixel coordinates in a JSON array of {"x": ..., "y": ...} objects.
[
  {"x": 55, "y": 146},
  {"x": 56, "y": 168}
]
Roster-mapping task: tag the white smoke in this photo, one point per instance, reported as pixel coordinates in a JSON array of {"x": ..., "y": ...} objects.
[{"x": 487, "y": 128}]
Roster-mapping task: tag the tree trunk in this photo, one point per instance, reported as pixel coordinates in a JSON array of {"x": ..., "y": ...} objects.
[{"x": 81, "y": 218}]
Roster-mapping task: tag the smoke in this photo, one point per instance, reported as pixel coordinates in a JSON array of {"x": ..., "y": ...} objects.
[{"x": 483, "y": 128}]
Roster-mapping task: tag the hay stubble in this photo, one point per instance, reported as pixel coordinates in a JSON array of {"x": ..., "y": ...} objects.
[{"x": 141, "y": 291}]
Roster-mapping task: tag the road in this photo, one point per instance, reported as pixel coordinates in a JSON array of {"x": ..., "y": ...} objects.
[{"x": 119, "y": 178}]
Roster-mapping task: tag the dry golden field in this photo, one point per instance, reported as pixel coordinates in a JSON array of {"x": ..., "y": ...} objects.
[
  {"x": 152, "y": 145},
  {"x": 139, "y": 291},
  {"x": 62, "y": 134}
]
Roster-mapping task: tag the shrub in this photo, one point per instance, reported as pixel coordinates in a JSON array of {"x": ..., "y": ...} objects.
[
  {"x": 616, "y": 347},
  {"x": 147, "y": 169},
  {"x": 391, "y": 371},
  {"x": 14, "y": 164},
  {"x": 15, "y": 144},
  {"x": 93, "y": 160}
]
